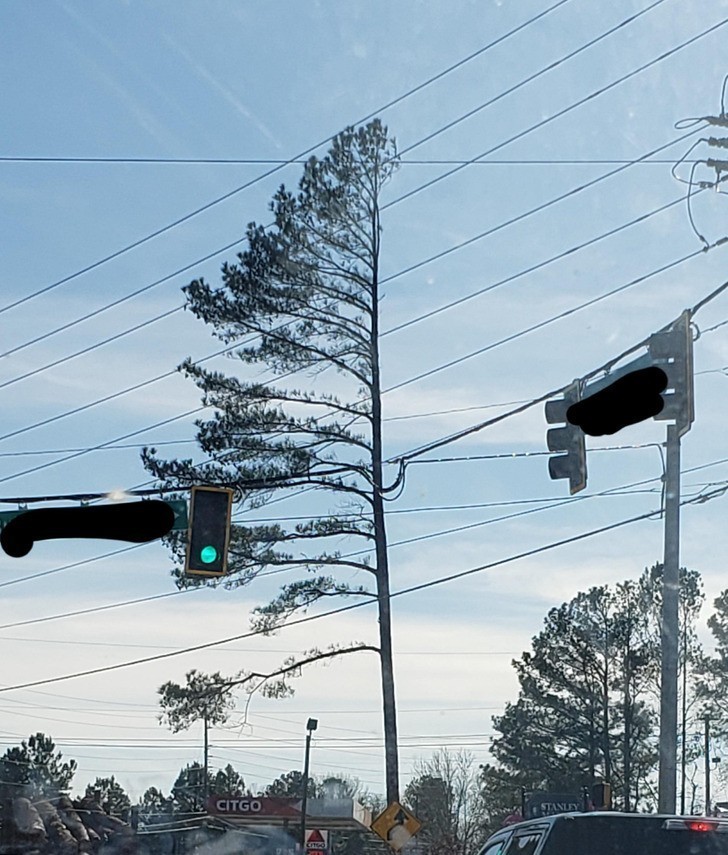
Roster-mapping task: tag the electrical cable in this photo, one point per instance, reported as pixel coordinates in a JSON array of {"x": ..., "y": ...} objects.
[
  {"x": 596, "y": 93},
  {"x": 607, "y": 366},
  {"x": 77, "y": 454},
  {"x": 342, "y": 609},
  {"x": 409, "y": 148},
  {"x": 277, "y": 168},
  {"x": 525, "y": 271},
  {"x": 123, "y": 299},
  {"x": 614, "y": 83},
  {"x": 552, "y": 161},
  {"x": 112, "y": 396},
  {"x": 699, "y": 305},
  {"x": 393, "y": 329},
  {"x": 553, "y": 319},
  {"x": 63, "y": 359},
  {"x": 409, "y": 269},
  {"x": 488, "y": 423}
]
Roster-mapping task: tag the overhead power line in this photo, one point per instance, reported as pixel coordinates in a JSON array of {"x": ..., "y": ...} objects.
[
  {"x": 417, "y": 378},
  {"x": 411, "y": 147},
  {"x": 403, "y": 325},
  {"x": 595, "y": 94},
  {"x": 488, "y": 232},
  {"x": 552, "y": 319},
  {"x": 119, "y": 301},
  {"x": 520, "y": 218},
  {"x": 442, "y": 367},
  {"x": 551, "y": 161},
  {"x": 417, "y": 452},
  {"x": 186, "y": 217}
]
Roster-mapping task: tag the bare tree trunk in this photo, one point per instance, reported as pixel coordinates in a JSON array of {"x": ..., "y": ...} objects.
[
  {"x": 627, "y": 733},
  {"x": 380, "y": 540},
  {"x": 205, "y": 764},
  {"x": 607, "y": 749}
]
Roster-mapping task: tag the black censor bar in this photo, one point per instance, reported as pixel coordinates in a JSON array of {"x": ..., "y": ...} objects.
[{"x": 136, "y": 522}]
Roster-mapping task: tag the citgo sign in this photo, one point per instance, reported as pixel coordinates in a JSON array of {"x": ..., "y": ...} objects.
[
  {"x": 238, "y": 805},
  {"x": 253, "y": 807}
]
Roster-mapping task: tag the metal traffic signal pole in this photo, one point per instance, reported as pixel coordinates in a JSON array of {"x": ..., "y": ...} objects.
[
  {"x": 670, "y": 628},
  {"x": 675, "y": 346},
  {"x": 658, "y": 384}
]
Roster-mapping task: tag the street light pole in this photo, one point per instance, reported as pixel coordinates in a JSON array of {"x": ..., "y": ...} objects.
[
  {"x": 707, "y": 766},
  {"x": 311, "y": 725}
]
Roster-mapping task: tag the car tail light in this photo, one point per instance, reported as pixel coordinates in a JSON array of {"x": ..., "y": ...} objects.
[{"x": 697, "y": 824}]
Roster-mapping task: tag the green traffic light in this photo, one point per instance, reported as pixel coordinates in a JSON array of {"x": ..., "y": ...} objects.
[{"x": 208, "y": 554}]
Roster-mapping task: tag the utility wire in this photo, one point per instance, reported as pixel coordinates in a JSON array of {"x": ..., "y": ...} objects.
[
  {"x": 423, "y": 375},
  {"x": 550, "y": 320},
  {"x": 403, "y": 325},
  {"x": 280, "y": 166},
  {"x": 662, "y": 56},
  {"x": 595, "y": 94},
  {"x": 552, "y": 503},
  {"x": 77, "y": 454},
  {"x": 607, "y": 366},
  {"x": 84, "y": 350},
  {"x": 409, "y": 269},
  {"x": 121, "y": 300},
  {"x": 112, "y": 396},
  {"x": 518, "y": 218},
  {"x": 529, "y": 79},
  {"x": 427, "y": 138},
  {"x": 552, "y": 161},
  {"x": 416, "y": 190},
  {"x": 342, "y": 609}
]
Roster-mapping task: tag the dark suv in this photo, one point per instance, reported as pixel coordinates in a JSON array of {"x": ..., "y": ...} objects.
[{"x": 611, "y": 833}]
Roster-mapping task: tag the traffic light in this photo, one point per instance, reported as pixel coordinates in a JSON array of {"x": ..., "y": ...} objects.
[
  {"x": 657, "y": 385},
  {"x": 209, "y": 531},
  {"x": 632, "y": 398},
  {"x": 569, "y": 439},
  {"x": 672, "y": 351}
]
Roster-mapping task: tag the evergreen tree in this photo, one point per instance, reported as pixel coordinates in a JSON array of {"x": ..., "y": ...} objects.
[
  {"x": 588, "y": 703},
  {"x": 35, "y": 770},
  {"x": 304, "y": 298},
  {"x": 228, "y": 781},
  {"x": 155, "y": 808},
  {"x": 578, "y": 687},
  {"x": 204, "y": 697},
  {"x": 290, "y": 785},
  {"x": 190, "y": 789},
  {"x": 110, "y": 795}
]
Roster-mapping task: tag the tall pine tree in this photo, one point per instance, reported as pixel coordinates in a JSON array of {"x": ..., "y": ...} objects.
[{"x": 303, "y": 302}]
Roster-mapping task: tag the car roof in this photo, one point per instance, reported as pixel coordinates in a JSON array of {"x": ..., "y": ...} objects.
[{"x": 586, "y": 816}]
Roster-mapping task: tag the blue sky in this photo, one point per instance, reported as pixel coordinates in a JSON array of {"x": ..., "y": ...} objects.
[{"x": 266, "y": 82}]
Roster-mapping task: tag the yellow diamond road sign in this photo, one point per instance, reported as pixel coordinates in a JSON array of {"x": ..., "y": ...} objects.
[{"x": 396, "y": 825}]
